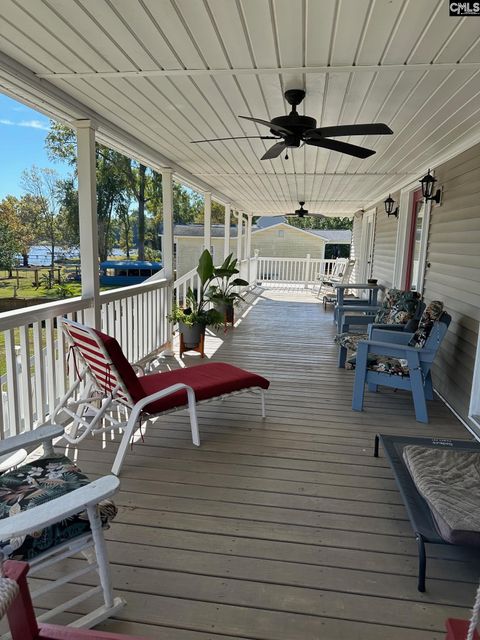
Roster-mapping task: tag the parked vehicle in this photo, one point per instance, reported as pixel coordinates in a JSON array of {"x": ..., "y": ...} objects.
[{"x": 122, "y": 273}]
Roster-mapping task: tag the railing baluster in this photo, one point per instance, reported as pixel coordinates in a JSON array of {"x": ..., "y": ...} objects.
[
  {"x": 25, "y": 379},
  {"x": 50, "y": 364},
  {"x": 12, "y": 388},
  {"x": 39, "y": 372}
]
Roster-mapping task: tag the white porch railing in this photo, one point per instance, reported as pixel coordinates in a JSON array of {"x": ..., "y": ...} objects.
[
  {"x": 301, "y": 271},
  {"x": 35, "y": 352}
]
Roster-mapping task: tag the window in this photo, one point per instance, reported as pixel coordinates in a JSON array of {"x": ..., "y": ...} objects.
[{"x": 281, "y": 233}]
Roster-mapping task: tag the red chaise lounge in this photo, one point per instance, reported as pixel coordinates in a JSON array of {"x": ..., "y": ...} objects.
[{"x": 108, "y": 379}]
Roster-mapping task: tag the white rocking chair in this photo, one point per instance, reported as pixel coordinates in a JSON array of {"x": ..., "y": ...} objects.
[{"x": 45, "y": 529}]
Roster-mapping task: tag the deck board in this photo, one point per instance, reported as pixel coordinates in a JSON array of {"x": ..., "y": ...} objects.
[{"x": 280, "y": 529}]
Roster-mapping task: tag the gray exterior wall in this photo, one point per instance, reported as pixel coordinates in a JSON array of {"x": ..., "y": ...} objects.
[
  {"x": 454, "y": 274},
  {"x": 384, "y": 245},
  {"x": 356, "y": 244}
]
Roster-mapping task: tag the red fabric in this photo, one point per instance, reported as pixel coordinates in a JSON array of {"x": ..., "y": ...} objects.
[
  {"x": 124, "y": 368},
  {"x": 457, "y": 629},
  {"x": 207, "y": 380},
  {"x": 54, "y": 632}
]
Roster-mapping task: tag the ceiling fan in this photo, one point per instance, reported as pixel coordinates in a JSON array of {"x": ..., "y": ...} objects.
[
  {"x": 301, "y": 213},
  {"x": 294, "y": 130}
]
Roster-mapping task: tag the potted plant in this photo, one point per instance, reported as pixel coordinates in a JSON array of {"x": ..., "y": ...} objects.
[
  {"x": 222, "y": 290},
  {"x": 195, "y": 316}
]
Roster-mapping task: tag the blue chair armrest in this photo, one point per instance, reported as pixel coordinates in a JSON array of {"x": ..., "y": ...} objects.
[
  {"x": 388, "y": 349},
  {"x": 389, "y": 333}
]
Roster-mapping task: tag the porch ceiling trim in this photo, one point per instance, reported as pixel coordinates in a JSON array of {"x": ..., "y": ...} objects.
[
  {"x": 24, "y": 85},
  {"x": 366, "y": 68}
]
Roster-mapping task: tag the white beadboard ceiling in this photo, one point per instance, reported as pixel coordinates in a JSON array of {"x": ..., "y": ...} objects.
[{"x": 160, "y": 73}]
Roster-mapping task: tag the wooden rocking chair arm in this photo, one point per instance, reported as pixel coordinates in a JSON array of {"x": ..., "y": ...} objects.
[
  {"x": 26, "y": 440},
  {"x": 58, "y": 509}
]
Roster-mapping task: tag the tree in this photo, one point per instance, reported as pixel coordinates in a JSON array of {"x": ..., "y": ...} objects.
[
  {"x": 41, "y": 184},
  {"x": 29, "y": 213},
  {"x": 111, "y": 178},
  {"x": 125, "y": 227},
  {"x": 325, "y": 222},
  {"x": 10, "y": 245}
]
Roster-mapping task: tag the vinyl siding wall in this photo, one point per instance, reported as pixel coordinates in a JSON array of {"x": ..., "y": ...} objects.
[
  {"x": 384, "y": 244},
  {"x": 292, "y": 244},
  {"x": 283, "y": 241},
  {"x": 453, "y": 276},
  {"x": 356, "y": 244},
  {"x": 452, "y": 273}
]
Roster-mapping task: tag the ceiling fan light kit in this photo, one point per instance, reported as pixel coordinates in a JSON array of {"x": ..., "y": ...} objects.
[{"x": 294, "y": 130}]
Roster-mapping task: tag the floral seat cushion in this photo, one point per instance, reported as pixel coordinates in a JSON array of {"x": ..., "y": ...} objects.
[
  {"x": 382, "y": 364},
  {"x": 36, "y": 483},
  {"x": 350, "y": 340}
]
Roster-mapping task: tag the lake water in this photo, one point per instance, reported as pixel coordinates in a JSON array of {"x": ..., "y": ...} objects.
[{"x": 40, "y": 255}]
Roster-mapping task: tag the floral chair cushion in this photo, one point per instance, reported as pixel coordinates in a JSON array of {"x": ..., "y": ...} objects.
[
  {"x": 35, "y": 483},
  {"x": 398, "y": 307},
  {"x": 350, "y": 340},
  {"x": 382, "y": 364},
  {"x": 431, "y": 314}
]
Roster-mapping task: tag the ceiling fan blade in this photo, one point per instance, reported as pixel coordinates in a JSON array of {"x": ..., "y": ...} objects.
[
  {"x": 374, "y": 128},
  {"x": 274, "y": 151},
  {"x": 236, "y": 138},
  {"x": 271, "y": 125},
  {"x": 342, "y": 147}
]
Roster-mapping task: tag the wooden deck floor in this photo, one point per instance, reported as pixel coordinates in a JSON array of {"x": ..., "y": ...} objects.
[{"x": 285, "y": 529}]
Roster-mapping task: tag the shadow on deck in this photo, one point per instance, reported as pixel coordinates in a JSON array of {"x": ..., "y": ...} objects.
[{"x": 281, "y": 529}]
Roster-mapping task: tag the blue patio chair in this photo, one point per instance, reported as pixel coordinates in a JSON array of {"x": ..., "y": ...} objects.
[
  {"x": 402, "y": 360},
  {"x": 400, "y": 311}
]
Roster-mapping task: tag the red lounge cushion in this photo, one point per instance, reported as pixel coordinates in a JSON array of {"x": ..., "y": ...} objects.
[
  {"x": 207, "y": 380},
  {"x": 122, "y": 365}
]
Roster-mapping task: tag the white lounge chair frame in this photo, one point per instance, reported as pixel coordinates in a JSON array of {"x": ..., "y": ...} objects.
[{"x": 91, "y": 408}]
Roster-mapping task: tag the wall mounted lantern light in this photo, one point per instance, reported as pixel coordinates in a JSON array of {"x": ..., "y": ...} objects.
[
  {"x": 428, "y": 185},
  {"x": 389, "y": 207}
]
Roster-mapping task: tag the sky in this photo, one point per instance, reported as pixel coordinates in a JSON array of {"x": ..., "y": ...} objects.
[{"x": 22, "y": 139}]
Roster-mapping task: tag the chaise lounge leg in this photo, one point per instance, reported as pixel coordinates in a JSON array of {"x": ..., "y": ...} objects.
[
  {"x": 192, "y": 412},
  {"x": 422, "y": 562},
  {"x": 262, "y": 394},
  {"x": 375, "y": 448}
]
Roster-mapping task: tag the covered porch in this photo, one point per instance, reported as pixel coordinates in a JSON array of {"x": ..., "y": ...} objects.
[
  {"x": 277, "y": 529},
  {"x": 287, "y": 528}
]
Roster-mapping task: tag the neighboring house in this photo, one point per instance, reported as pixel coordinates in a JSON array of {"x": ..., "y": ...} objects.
[
  {"x": 435, "y": 250},
  {"x": 271, "y": 237}
]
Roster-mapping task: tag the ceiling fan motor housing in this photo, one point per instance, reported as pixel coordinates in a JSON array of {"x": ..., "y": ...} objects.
[{"x": 295, "y": 123}]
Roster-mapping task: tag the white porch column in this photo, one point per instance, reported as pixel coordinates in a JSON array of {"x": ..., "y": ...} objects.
[
  {"x": 248, "y": 243},
  {"x": 239, "y": 235},
  {"x": 167, "y": 250},
  {"x": 226, "y": 236},
  {"x": 87, "y": 212},
  {"x": 207, "y": 222},
  {"x": 167, "y": 241}
]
